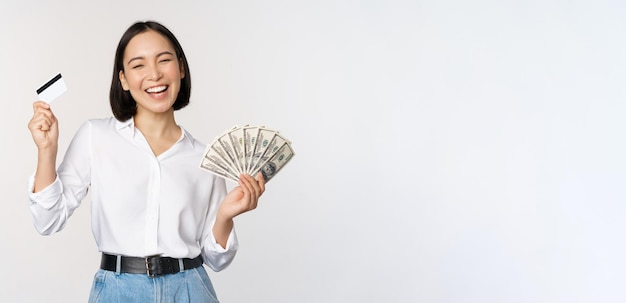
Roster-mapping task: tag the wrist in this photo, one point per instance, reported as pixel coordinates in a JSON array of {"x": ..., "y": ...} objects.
[
  {"x": 48, "y": 149},
  {"x": 46, "y": 158},
  {"x": 222, "y": 218}
]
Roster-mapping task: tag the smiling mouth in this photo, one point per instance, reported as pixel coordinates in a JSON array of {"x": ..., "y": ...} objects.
[{"x": 156, "y": 89}]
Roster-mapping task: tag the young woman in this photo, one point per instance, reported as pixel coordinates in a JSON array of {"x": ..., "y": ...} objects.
[{"x": 156, "y": 217}]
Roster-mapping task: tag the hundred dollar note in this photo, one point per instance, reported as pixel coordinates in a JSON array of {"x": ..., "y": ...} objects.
[
  {"x": 211, "y": 167},
  {"x": 219, "y": 158},
  {"x": 271, "y": 167},
  {"x": 240, "y": 137},
  {"x": 236, "y": 139},
  {"x": 250, "y": 135},
  {"x": 224, "y": 146},
  {"x": 272, "y": 147},
  {"x": 247, "y": 149},
  {"x": 264, "y": 137}
]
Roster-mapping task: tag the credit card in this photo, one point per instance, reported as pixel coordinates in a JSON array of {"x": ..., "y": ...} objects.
[{"x": 52, "y": 89}]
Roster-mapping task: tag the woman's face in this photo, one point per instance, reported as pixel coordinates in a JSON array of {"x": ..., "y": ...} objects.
[{"x": 151, "y": 72}]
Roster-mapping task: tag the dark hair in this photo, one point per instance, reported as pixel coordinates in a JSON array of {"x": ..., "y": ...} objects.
[{"x": 123, "y": 105}]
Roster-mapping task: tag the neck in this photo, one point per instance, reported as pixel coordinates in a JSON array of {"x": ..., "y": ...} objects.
[
  {"x": 156, "y": 124},
  {"x": 159, "y": 129}
]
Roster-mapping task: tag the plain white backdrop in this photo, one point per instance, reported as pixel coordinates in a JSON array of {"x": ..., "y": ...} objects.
[{"x": 446, "y": 151}]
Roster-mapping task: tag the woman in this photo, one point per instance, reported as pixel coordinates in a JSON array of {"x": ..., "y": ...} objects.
[{"x": 156, "y": 217}]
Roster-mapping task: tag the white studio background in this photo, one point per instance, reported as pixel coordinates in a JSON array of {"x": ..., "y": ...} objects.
[{"x": 446, "y": 151}]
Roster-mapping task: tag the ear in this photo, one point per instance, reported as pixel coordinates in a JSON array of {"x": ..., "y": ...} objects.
[
  {"x": 123, "y": 81},
  {"x": 182, "y": 68}
]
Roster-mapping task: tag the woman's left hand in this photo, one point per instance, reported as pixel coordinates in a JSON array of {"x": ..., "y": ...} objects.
[{"x": 242, "y": 198}]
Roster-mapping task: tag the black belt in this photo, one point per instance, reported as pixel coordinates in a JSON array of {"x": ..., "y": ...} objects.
[{"x": 152, "y": 266}]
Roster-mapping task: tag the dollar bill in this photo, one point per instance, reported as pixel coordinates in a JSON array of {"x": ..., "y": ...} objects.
[
  {"x": 250, "y": 136},
  {"x": 264, "y": 137},
  {"x": 224, "y": 145},
  {"x": 211, "y": 167},
  {"x": 247, "y": 150},
  {"x": 219, "y": 158},
  {"x": 274, "y": 164},
  {"x": 236, "y": 139},
  {"x": 273, "y": 146}
]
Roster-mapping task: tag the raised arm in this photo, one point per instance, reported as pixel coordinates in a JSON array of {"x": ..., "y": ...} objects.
[
  {"x": 45, "y": 131},
  {"x": 240, "y": 199}
]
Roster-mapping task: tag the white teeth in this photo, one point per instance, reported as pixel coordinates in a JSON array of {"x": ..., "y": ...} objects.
[{"x": 156, "y": 89}]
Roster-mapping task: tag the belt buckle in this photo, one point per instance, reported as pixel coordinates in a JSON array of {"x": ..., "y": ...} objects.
[{"x": 153, "y": 266}]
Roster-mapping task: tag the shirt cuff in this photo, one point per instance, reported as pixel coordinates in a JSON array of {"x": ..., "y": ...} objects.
[
  {"x": 231, "y": 243},
  {"x": 217, "y": 257},
  {"x": 47, "y": 197}
]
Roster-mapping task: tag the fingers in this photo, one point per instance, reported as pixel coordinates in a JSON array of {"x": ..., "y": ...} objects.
[
  {"x": 40, "y": 104},
  {"x": 261, "y": 182},
  {"x": 252, "y": 189},
  {"x": 43, "y": 126},
  {"x": 43, "y": 118},
  {"x": 257, "y": 186},
  {"x": 42, "y": 121}
]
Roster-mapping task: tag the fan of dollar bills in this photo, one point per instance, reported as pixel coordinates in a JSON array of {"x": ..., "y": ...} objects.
[{"x": 247, "y": 150}]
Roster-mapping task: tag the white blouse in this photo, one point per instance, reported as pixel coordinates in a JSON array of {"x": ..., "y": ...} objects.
[{"x": 141, "y": 204}]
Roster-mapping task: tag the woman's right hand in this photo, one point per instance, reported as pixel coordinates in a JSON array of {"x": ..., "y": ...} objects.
[{"x": 43, "y": 126}]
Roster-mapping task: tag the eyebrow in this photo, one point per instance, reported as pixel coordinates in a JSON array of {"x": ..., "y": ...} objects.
[{"x": 158, "y": 55}]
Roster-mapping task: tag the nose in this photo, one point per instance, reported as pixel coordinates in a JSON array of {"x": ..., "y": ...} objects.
[{"x": 154, "y": 73}]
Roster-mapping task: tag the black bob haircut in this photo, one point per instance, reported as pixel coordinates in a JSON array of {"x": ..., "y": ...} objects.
[{"x": 123, "y": 105}]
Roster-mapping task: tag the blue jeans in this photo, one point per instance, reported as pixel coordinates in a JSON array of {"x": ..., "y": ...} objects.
[{"x": 191, "y": 285}]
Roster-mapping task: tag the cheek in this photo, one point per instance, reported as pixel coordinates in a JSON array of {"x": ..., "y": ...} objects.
[
  {"x": 174, "y": 72},
  {"x": 134, "y": 81}
]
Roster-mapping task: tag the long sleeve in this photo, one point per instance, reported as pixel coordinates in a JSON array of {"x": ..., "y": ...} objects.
[
  {"x": 52, "y": 206},
  {"x": 215, "y": 256}
]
